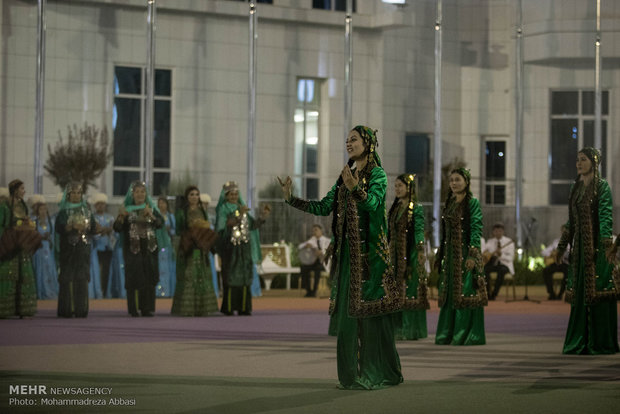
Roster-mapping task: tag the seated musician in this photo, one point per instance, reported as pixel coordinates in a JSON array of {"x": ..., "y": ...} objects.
[
  {"x": 499, "y": 254},
  {"x": 552, "y": 267},
  {"x": 318, "y": 243}
]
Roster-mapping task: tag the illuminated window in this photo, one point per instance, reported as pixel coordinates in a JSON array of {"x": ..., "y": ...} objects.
[{"x": 306, "y": 120}]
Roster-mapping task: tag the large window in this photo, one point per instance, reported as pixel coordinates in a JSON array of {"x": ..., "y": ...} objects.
[
  {"x": 572, "y": 128},
  {"x": 494, "y": 168},
  {"x": 128, "y": 124},
  {"x": 307, "y": 138},
  {"x": 338, "y": 5}
]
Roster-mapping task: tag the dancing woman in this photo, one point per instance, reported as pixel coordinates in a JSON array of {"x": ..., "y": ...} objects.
[
  {"x": 406, "y": 236},
  {"x": 75, "y": 224},
  {"x": 462, "y": 288},
  {"x": 137, "y": 221},
  {"x": 239, "y": 248},
  {"x": 18, "y": 241},
  {"x": 194, "y": 294},
  {"x": 364, "y": 290},
  {"x": 590, "y": 287}
]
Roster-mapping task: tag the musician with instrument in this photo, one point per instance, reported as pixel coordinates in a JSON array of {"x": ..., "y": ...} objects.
[
  {"x": 551, "y": 267},
  {"x": 498, "y": 255},
  {"x": 311, "y": 255}
]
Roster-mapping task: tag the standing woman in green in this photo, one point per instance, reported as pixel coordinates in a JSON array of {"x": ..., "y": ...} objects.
[
  {"x": 19, "y": 239},
  {"x": 462, "y": 287},
  {"x": 75, "y": 224},
  {"x": 590, "y": 287},
  {"x": 194, "y": 294},
  {"x": 406, "y": 235},
  {"x": 364, "y": 290},
  {"x": 239, "y": 248},
  {"x": 137, "y": 222}
]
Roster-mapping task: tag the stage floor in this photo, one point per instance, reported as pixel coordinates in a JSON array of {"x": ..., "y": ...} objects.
[{"x": 280, "y": 360}]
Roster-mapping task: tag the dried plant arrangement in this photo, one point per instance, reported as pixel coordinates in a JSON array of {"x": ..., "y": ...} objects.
[{"x": 82, "y": 157}]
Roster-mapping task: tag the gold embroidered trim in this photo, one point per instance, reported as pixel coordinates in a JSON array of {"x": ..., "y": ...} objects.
[
  {"x": 460, "y": 300},
  {"x": 400, "y": 258},
  {"x": 582, "y": 217}
]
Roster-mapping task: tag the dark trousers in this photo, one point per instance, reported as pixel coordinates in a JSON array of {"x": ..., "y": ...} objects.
[
  {"x": 548, "y": 277},
  {"x": 105, "y": 257},
  {"x": 143, "y": 299},
  {"x": 501, "y": 272},
  {"x": 305, "y": 271},
  {"x": 73, "y": 299}
]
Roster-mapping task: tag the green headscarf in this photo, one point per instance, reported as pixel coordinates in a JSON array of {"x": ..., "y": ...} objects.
[
  {"x": 128, "y": 202},
  {"x": 370, "y": 139},
  {"x": 65, "y": 204}
]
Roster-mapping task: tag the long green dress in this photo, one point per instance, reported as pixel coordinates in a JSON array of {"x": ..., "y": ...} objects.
[
  {"x": 411, "y": 322},
  {"x": 462, "y": 292},
  {"x": 591, "y": 289},
  {"x": 74, "y": 260},
  {"x": 18, "y": 289},
  {"x": 194, "y": 294},
  {"x": 364, "y": 291}
]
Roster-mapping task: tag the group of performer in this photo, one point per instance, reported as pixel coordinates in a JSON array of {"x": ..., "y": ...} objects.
[
  {"x": 78, "y": 254},
  {"x": 379, "y": 282}
]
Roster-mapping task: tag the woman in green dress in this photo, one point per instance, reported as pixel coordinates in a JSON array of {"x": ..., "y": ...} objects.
[
  {"x": 462, "y": 287},
  {"x": 137, "y": 222},
  {"x": 364, "y": 290},
  {"x": 194, "y": 294},
  {"x": 406, "y": 236},
  {"x": 74, "y": 225},
  {"x": 239, "y": 248},
  {"x": 591, "y": 289},
  {"x": 18, "y": 242}
]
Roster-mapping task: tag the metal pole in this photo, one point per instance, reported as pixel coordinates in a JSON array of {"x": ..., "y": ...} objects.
[
  {"x": 252, "y": 106},
  {"x": 519, "y": 125},
  {"x": 150, "y": 92},
  {"x": 437, "y": 157},
  {"x": 348, "y": 67},
  {"x": 40, "y": 99},
  {"x": 598, "y": 139}
]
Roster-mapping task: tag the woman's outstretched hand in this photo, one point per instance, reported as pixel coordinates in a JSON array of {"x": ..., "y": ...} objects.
[{"x": 287, "y": 187}]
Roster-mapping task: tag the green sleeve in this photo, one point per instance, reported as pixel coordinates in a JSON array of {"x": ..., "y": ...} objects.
[
  {"x": 61, "y": 222},
  {"x": 5, "y": 217},
  {"x": 318, "y": 208},
  {"x": 418, "y": 213},
  {"x": 375, "y": 196},
  {"x": 180, "y": 221},
  {"x": 475, "y": 215},
  {"x": 605, "y": 210}
]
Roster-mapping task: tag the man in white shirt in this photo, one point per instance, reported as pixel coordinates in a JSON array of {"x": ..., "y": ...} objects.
[
  {"x": 318, "y": 245},
  {"x": 552, "y": 267},
  {"x": 499, "y": 255}
]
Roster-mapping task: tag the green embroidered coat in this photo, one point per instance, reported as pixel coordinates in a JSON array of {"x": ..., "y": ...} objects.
[{"x": 361, "y": 225}]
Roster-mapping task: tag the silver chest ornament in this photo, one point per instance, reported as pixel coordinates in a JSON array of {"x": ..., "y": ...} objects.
[
  {"x": 78, "y": 217},
  {"x": 240, "y": 232}
]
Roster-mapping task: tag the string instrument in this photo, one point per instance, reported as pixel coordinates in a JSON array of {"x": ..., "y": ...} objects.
[
  {"x": 487, "y": 256},
  {"x": 549, "y": 260}
]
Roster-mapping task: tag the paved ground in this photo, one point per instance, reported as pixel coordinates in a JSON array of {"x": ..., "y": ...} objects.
[{"x": 280, "y": 360}]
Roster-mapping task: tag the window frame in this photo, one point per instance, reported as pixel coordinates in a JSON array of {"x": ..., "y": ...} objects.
[
  {"x": 581, "y": 120},
  {"x": 142, "y": 138}
]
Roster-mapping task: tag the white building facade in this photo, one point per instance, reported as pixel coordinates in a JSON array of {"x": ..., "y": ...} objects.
[{"x": 95, "y": 69}]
